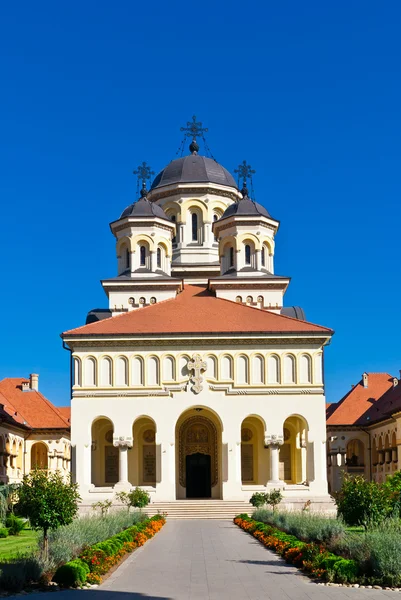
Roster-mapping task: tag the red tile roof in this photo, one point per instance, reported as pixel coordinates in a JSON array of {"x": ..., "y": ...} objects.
[
  {"x": 353, "y": 408},
  {"x": 30, "y": 408},
  {"x": 196, "y": 310}
]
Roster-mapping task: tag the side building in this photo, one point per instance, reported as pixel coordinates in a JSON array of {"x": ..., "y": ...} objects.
[
  {"x": 364, "y": 430},
  {"x": 34, "y": 434}
]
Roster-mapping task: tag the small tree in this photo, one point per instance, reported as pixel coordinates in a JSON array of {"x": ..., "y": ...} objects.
[
  {"x": 103, "y": 507},
  {"x": 274, "y": 498},
  {"x": 258, "y": 499},
  {"x": 361, "y": 502},
  {"x": 48, "y": 501}
]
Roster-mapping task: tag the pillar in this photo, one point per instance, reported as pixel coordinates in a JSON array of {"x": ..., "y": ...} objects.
[
  {"x": 231, "y": 457},
  {"x": 165, "y": 461},
  {"x": 258, "y": 260},
  {"x": 274, "y": 465},
  {"x": 319, "y": 482},
  {"x": 152, "y": 258}
]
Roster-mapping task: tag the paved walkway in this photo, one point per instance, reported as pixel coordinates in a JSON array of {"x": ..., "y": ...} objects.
[{"x": 209, "y": 560}]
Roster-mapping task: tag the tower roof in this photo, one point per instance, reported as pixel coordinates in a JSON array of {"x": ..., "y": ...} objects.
[
  {"x": 246, "y": 207},
  {"x": 144, "y": 208},
  {"x": 193, "y": 169}
]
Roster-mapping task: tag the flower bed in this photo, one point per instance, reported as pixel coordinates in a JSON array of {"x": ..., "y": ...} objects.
[
  {"x": 312, "y": 558},
  {"x": 95, "y": 561}
]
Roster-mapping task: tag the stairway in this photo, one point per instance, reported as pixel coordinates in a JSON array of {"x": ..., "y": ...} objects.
[{"x": 200, "y": 509}]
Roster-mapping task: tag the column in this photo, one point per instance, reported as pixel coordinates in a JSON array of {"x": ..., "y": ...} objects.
[
  {"x": 274, "y": 465},
  {"x": 152, "y": 259},
  {"x": 123, "y": 464},
  {"x": 180, "y": 240},
  {"x": 319, "y": 483},
  {"x": 165, "y": 461},
  {"x": 231, "y": 457},
  {"x": 258, "y": 258}
]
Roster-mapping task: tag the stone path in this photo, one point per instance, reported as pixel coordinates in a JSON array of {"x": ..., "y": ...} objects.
[{"x": 210, "y": 560}]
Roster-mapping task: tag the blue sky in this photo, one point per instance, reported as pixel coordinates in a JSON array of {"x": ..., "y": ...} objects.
[{"x": 309, "y": 93}]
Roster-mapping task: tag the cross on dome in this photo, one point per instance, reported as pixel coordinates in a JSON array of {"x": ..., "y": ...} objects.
[
  {"x": 143, "y": 173},
  {"x": 193, "y": 130},
  {"x": 244, "y": 172}
]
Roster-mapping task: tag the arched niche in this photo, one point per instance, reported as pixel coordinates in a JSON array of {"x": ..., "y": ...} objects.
[
  {"x": 142, "y": 458},
  {"x": 289, "y": 374},
  {"x": 39, "y": 456},
  {"x": 90, "y": 371},
  {"x": 254, "y": 463},
  {"x": 305, "y": 369},
  {"x": 104, "y": 455},
  {"x": 121, "y": 371},
  {"x": 273, "y": 369},
  {"x": 137, "y": 371},
  {"x": 258, "y": 369},
  {"x": 293, "y": 453},
  {"x": 106, "y": 371},
  {"x": 242, "y": 369}
]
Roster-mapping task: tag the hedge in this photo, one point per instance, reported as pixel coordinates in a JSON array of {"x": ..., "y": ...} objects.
[
  {"x": 313, "y": 558},
  {"x": 96, "y": 560}
]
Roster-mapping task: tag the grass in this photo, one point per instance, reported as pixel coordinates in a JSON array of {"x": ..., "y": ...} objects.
[{"x": 15, "y": 545}]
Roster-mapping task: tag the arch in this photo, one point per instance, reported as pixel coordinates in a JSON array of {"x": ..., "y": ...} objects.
[
  {"x": 159, "y": 257},
  {"x": 248, "y": 254},
  {"x": 142, "y": 238},
  {"x": 273, "y": 369},
  {"x": 249, "y": 238},
  {"x": 169, "y": 368},
  {"x": 226, "y": 367},
  {"x": 104, "y": 455},
  {"x": 254, "y": 464},
  {"x": 143, "y": 457},
  {"x": 293, "y": 454},
  {"x": 39, "y": 456},
  {"x": 211, "y": 370},
  {"x": 191, "y": 204},
  {"x": 137, "y": 371},
  {"x": 289, "y": 372},
  {"x": 142, "y": 255},
  {"x": 355, "y": 455},
  {"x": 90, "y": 374},
  {"x": 242, "y": 369},
  {"x": 20, "y": 455},
  {"x": 106, "y": 371},
  {"x": 77, "y": 371},
  {"x": 121, "y": 371},
  {"x": 183, "y": 365},
  {"x": 318, "y": 367},
  {"x": 229, "y": 240},
  {"x": 305, "y": 368},
  {"x": 258, "y": 369},
  {"x": 153, "y": 375}
]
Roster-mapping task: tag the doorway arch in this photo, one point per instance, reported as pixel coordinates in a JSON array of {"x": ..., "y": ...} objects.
[{"x": 199, "y": 449}]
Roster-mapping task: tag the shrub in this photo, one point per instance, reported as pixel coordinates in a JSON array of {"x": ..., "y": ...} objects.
[
  {"x": 3, "y": 532},
  {"x": 138, "y": 498},
  {"x": 18, "y": 573},
  {"x": 361, "y": 502},
  {"x": 258, "y": 499},
  {"x": 67, "y": 542},
  {"x": 72, "y": 574},
  {"x": 14, "y": 524},
  {"x": 305, "y": 526}
]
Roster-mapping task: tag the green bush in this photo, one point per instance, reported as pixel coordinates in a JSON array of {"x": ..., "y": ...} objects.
[
  {"x": 3, "y": 532},
  {"x": 14, "y": 524},
  {"x": 258, "y": 499},
  {"x": 16, "y": 574},
  {"x": 305, "y": 526},
  {"x": 361, "y": 502},
  {"x": 139, "y": 498},
  {"x": 72, "y": 574}
]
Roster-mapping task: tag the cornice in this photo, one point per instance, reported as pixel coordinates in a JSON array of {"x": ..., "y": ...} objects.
[{"x": 155, "y": 195}]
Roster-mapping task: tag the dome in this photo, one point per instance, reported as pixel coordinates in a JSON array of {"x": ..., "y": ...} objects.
[
  {"x": 193, "y": 169},
  {"x": 144, "y": 208},
  {"x": 245, "y": 208}
]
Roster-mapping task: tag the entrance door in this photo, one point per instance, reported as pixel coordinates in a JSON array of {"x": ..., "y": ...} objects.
[{"x": 198, "y": 475}]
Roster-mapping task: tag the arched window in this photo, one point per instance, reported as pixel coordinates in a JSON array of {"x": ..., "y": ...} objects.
[
  {"x": 231, "y": 256},
  {"x": 127, "y": 258},
  {"x": 215, "y": 218},
  {"x": 194, "y": 227},
  {"x": 143, "y": 256},
  {"x": 174, "y": 240},
  {"x": 159, "y": 258},
  {"x": 263, "y": 257},
  {"x": 247, "y": 254}
]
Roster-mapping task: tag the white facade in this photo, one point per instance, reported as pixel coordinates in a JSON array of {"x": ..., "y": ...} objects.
[{"x": 198, "y": 415}]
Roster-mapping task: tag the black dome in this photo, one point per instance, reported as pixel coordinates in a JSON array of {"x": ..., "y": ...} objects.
[
  {"x": 193, "y": 169},
  {"x": 246, "y": 207},
  {"x": 144, "y": 208}
]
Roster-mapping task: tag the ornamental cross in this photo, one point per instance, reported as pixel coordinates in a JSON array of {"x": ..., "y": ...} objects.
[
  {"x": 197, "y": 365},
  {"x": 143, "y": 173},
  {"x": 194, "y": 129},
  {"x": 245, "y": 172}
]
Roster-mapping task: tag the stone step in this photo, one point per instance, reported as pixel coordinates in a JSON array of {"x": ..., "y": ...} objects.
[{"x": 200, "y": 509}]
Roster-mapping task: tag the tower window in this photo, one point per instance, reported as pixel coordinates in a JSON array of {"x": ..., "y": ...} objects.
[
  {"x": 159, "y": 258},
  {"x": 247, "y": 254},
  {"x": 194, "y": 227},
  {"x": 127, "y": 259},
  {"x": 263, "y": 257},
  {"x": 231, "y": 256},
  {"x": 174, "y": 240},
  {"x": 143, "y": 256}
]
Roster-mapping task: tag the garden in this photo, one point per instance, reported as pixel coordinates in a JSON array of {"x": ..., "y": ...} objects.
[
  {"x": 44, "y": 543},
  {"x": 361, "y": 547}
]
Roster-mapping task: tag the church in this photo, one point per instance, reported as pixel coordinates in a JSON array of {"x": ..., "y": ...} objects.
[{"x": 196, "y": 381}]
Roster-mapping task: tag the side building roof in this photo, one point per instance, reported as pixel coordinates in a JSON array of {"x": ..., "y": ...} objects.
[
  {"x": 31, "y": 408},
  {"x": 361, "y": 402}
]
